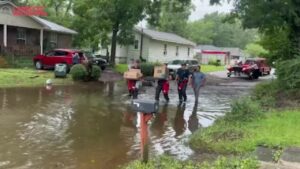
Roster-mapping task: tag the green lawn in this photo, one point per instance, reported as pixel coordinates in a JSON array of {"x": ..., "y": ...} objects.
[
  {"x": 211, "y": 68},
  {"x": 29, "y": 78},
  {"x": 277, "y": 129},
  {"x": 121, "y": 68}
]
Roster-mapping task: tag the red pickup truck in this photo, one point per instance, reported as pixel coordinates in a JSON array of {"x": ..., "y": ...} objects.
[
  {"x": 253, "y": 68},
  {"x": 65, "y": 56}
]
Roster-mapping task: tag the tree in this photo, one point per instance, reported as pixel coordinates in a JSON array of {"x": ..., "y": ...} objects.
[
  {"x": 271, "y": 16},
  {"x": 214, "y": 29},
  {"x": 115, "y": 16},
  {"x": 169, "y": 15},
  {"x": 255, "y": 50}
]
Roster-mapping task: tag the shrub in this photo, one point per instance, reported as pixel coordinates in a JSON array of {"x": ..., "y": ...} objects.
[
  {"x": 243, "y": 110},
  {"x": 147, "y": 69},
  {"x": 78, "y": 72},
  {"x": 18, "y": 62},
  {"x": 3, "y": 62},
  {"x": 288, "y": 73},
  {"x": 96, "y": 72},
  {"x": 214, "y": 62},
  {"x": 266, "y": 94}
]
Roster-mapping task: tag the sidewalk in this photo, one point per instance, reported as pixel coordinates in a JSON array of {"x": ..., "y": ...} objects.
[{"x": 290, "y": 159}]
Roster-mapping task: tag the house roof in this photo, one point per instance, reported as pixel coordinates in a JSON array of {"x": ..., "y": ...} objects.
[
  {"x": 207, "y": 47},
  {"x": 211, "y": 48},
  {"x": 53, "y": 26},
  {"x": 48, "y": 25},
  {"x": 165, "y": 36}
]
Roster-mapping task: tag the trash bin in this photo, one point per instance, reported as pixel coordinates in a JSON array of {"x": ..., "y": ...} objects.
[{"x": 60, "y": 70}]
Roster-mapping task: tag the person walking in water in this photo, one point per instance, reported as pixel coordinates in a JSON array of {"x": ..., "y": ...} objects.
[
  {"x": 197, "y": 80},
  {"x": 164, "y": 86},
  {"x": 182, "y": 78},
  {"x": 133, "y": 85}
]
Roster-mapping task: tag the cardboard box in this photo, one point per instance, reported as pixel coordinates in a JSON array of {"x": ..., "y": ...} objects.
[
  {"x": 160, "y": 72},
  {"x": 134, "y": 74}
]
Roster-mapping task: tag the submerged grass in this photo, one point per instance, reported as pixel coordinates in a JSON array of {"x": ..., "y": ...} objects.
[
  {"x": 277, "y": 129},
  {"x": 29, "y": 78}
]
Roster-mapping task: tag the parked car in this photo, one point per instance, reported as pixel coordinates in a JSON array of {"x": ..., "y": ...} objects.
[
  {"x": 102, "y": 63},
  {"x": 174, "y": 65},
  {"x": 62, "y": 56},
  {"x": 253, "y": 68}
]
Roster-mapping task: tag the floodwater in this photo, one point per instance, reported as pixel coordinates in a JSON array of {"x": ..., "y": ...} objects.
[{"x": 92, "y": 126}]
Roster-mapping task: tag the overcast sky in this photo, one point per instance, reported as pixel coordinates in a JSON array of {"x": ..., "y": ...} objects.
[{"x": 203, "y": 7}]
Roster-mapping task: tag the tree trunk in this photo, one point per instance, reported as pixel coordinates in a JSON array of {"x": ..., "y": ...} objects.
[
  {"x": 294, "y": 37},
  {"x": 69, "y": 7},
  {"x": 114, "y": 44}
]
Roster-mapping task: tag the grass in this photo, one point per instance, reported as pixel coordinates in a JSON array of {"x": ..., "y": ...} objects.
[
  {"x": 29, "y": 78},
  {"x": 277, "y": 129},
  {"x": 121, "y": 68},
  {"x": 165, "y": 162},
  {"x": 211, "y": 68}
]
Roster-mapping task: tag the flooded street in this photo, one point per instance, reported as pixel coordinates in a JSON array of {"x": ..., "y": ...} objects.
[{"x": 92, "y": 125}]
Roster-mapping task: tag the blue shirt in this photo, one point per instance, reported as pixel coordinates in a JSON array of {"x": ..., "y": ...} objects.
[
  {"x": 183, "y": 74},
  {"x": 198, "y": 78}
]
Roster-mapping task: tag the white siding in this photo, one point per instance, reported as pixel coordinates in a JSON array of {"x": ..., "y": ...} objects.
[
  {"x": 156, "y": 51},
  {"x": 132, "y": 52},
  {"x": 153, "y": 51}
]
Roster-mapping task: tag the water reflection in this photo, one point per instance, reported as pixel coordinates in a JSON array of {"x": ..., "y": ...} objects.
[
  {"x": 92, "y": 126},
  {"x": 193, "y": 123}
]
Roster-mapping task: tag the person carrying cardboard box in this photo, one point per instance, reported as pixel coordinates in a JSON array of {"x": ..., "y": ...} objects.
[
  {"x": 133, "y": 76},
  {"x": 163, "y": 85}
]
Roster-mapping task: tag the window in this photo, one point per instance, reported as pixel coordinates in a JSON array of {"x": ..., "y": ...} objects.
[
  {"x": 53, "y": 40},
  {"x": 61, "y": 53},
  {"x": 194, "y": 62},
  {"x": 136, "y": 44},
  {"x": 21, "y": 36},
  {"x": 51, "y": 53},
  {"x": 189, "y": 51},
  {"x": 177, "y": 49},
  {"x": 165, "y": 49},
  {"x": 5, "y": 10}
]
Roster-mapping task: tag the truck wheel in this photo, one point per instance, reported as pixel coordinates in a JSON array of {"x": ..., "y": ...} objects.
[{"x": 38, "y": 65}]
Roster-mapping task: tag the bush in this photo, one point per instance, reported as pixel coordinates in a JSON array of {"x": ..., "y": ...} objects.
[
  {"x": 243, "y": 110},
  {"x": 78, "y": 72},
  {"x": 214, "y": 62},
  {"x": 147, "y": 69},
  {"x": 266, "y": 94},
  {"x": 3, "y": 62},
  {"x": 96, "y": 72},
  {"x": 288, "y": 73}
]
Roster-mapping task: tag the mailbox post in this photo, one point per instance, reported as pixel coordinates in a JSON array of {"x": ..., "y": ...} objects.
[{"x": 146, "y": 109}]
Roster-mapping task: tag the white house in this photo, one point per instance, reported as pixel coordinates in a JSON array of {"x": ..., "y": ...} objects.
[
  {"x": 206, "y": 53},
  {"x": 154, "y": 46}
]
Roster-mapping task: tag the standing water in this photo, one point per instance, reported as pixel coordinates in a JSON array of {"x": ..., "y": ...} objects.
[{"x": 92, "y": 125}]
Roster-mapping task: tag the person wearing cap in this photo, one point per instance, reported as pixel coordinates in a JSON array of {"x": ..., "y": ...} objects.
[
  {"x": 182, "y": 78},
  {"x": 163, "y": 85}
]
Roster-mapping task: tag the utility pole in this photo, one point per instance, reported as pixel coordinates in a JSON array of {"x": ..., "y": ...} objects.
[{"x": 141, "y": 47}]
